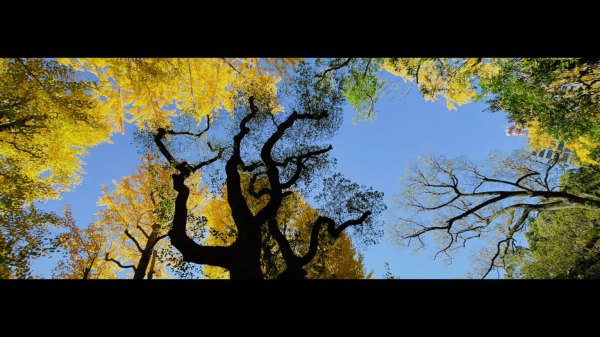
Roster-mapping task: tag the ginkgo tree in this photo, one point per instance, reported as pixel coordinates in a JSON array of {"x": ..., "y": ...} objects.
[
  {"x": 278, "y": 145},
  {"x": 48, "y": 121},
  {"x": 83, "y": 251},
  {"x": 129, "y": 232},
  {"x": 25, "y": 234},
  {"x": 50, "y": 115},
  {"x": 138, "y": 215}
]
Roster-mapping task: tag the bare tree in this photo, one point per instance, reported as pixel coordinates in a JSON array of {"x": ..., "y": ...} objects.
[{"x": 458, "y": 200}]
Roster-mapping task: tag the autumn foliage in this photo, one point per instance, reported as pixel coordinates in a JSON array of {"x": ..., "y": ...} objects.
[
  {"x": 48, "y": 121},
  {"x": 153, "y": 90},
  {"x": 138, "y": 215}
]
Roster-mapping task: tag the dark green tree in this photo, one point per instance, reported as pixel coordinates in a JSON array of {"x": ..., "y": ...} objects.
[
  {"x": 563, "y": 94},
  {"x": 561, "y": 244}
]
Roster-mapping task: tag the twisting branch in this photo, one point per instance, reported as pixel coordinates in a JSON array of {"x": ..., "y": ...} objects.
[
  {"x": 252, "y": 166},
  {"x": 162, "y": 148},
  {"x": 199, "y": 134},
  {"x": 134, "y": 241},
  {"x": 331, "y": 229},
  {"x": 183, "y": 166},
  {"x": 143, "y": 231},
  {"x": 119, "y": 263},
  {"x": 262, "y": 191},
  {"x": 345, "y": 63},
  {"x": 234, "y": 68},
  {"x": 284, "y": 245},
  {"x": 303, "y": 156}
]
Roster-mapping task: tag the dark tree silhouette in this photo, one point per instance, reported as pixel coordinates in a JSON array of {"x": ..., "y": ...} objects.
[{"x": 280, "y": 147}]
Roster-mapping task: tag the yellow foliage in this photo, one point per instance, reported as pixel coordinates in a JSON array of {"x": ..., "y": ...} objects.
[
  {"x": 83, "y": 251},
  {"x": 149, "y": 90},
  {"x": 451, "y": 78},
  {"x": 48, "y": 122},
  {"x": 539, "y": 140},
  {"x": 582, "y": 145},
  {"x": 138, "y": 203}
]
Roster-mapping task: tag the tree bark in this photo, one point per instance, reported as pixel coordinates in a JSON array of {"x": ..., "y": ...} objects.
[{"x": 144, "y": 261}]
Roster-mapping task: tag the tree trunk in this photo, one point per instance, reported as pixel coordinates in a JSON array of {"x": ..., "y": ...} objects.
[
  {"x": 140, "y": 271},
  {"x": 152, "y": 264},
  {"x": 293, "y": 272},
  {"x": 245, "y": 260}
]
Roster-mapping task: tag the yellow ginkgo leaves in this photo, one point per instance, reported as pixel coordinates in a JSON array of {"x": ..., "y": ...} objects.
[
  {"x": 150, "y": 90},
  {"x": 48, "y": 120}
]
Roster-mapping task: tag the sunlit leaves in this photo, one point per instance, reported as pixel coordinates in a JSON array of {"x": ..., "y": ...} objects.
[
  {"x": 150, "y": 90},
  {"x": 140, "y": 203},
  {"x": 556, "y": 99},
  {"x": 562, "y": 244},
  {"x": 83, "y": 251},
  {"x": 48, "y": 120}
]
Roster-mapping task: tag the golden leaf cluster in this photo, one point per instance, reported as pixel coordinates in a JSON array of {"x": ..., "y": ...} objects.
[
  {"x": 48, "y": 121},
  {"x": 141, "y": 203},
  {"x": 582, "y": 145},
  {"x": 83, "y": 251},
  {"x": 149, "y": 91}
]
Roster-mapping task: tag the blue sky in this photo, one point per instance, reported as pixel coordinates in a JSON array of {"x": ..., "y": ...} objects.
[{"x": 369, "y": 153}]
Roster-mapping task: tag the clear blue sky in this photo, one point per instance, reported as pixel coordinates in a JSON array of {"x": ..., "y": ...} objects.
[{"x": 369, "y": 153}]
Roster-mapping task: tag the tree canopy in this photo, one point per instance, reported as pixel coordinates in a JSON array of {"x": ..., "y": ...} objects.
[
  {"x": 562, "y": 243},
  {"x": 238, "y": 175},
  {"x": 49, "y": 119},
  {"x": 556, "y": 99},
  {"x": 152, "y": 90}
]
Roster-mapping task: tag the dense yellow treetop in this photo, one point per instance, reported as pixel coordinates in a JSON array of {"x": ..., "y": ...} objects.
[
  {"x": 48, "y": 121},
  {"x": 83, "y": 251},
  {"x": 150, "y": 90}
]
